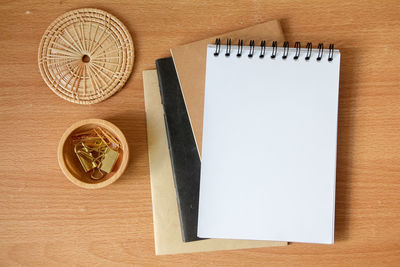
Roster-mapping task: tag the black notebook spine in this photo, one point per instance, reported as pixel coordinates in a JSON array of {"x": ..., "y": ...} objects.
[
  {"x": 185, "y": 159},
  {"x": 159, "y": 66}
]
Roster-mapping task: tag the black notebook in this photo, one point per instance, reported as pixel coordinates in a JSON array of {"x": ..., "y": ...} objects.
[{"x": 184, "y": 155}]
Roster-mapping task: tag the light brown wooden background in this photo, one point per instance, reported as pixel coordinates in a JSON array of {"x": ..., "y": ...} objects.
[{"x": 45, "y": 219}]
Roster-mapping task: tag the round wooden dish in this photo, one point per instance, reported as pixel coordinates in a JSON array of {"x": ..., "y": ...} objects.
[{"x": 70, "y": 165}]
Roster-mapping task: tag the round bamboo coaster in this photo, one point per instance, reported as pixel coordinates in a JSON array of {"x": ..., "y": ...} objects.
[{"x": 86, "y": 55}]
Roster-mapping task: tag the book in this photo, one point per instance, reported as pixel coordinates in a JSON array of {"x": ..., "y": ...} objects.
[
  {"x": 269, "y": 143},
  {"x": 184, "y": 156},
  {"x": 167, "y": 229},
  {"x": 190, "y": 64}
]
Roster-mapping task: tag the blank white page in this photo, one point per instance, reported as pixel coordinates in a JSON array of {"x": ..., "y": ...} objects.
[{"x": 269, "y": 147}]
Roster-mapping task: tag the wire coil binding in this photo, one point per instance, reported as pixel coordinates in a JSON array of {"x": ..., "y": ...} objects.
[
  {"x": 320, "y": 51},
  {"x": 285, "y": 49},
  {"x": 274, "y": 52},
  {"x": 251, "y": 52},
  {"x": 297, "y": 45},
  {"x": 309, "y": 50},
  {"x": 217, "y": 47},
  {"x": 228, "y": 47},
  {"x": 262, "y": 46},
  {"x": 274, "y": 49},
  {"x": 240, "y": 48}
]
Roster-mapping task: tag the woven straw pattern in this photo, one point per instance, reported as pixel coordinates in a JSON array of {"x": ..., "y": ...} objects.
[{"x": 86, "y": 55}]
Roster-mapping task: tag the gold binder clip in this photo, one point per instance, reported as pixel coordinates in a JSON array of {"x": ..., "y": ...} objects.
[
  {"x": 85, "y": 158},
  {"x": 97, "y": 150},
  {"x": 109, "y": 160}
]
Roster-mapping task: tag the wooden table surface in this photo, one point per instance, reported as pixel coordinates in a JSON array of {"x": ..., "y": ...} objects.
[{"x": 45, "y": 219}]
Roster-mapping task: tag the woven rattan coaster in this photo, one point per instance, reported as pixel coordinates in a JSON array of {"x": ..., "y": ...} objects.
[{"x": 86, "y": 55}]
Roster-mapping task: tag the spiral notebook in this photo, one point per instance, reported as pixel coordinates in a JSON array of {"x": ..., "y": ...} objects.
[{"x": 269, "y": 143}]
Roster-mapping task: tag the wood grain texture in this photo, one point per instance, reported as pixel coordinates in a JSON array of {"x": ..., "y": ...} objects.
[{"x": 45, "y": 219}]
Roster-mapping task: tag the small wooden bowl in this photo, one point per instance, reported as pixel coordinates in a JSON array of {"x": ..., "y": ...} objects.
[{"x": 69, "y": 162}]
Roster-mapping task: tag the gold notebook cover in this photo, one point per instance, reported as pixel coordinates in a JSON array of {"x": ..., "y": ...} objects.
[
  {"x": 190, "y": 65},
  {"x": 167, "y": 228}
]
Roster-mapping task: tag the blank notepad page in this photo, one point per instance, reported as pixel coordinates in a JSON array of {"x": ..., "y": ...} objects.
[{"x": 269, "y": 146}]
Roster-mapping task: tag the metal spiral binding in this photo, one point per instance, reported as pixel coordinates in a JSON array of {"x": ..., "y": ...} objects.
[
  {"x": 217, "y": 47},
  {"x": 274, "y": 49},
  {"x": 309, "y": 50},
  {"x": 251, "y": 52},
  {"x": 274, "y": 52},
  {"x": 228, "y": 47},
  {"x": 285, "y": 49},
  {"x": 330, "y": 56},
  {"x": 297, "y": 45},
  {"x": 262, "y": 46},
  {"x": 320, "y": 51},
  {"x": 240, "y": 48}
]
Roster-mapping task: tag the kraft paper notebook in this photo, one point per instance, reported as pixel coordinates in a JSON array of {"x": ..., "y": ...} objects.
[
  {"x": 167, "y": 230},
  {"x": 268, "y": 167},
  {"x": 190, "y": 64}
]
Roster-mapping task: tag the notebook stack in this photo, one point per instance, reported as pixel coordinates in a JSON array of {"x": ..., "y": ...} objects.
[{"x": 242, "y": 142}]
